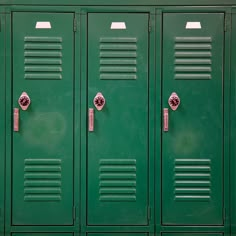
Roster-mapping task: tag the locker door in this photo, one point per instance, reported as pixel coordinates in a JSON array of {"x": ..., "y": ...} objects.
[
  {"x": 118, "y": 145},
  {"x": 192, "y": 188},
  {"x": 42, "y": 170}
]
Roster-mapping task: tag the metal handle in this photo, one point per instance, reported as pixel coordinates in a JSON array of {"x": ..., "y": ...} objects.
[
  {"x": 166, "y": 119},
  {"x": 16, "y": 119},
  {"x": 91, "y": 119}
]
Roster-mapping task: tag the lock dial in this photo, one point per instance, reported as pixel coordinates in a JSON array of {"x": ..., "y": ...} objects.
[
  {"x": 24, "y": 101},
  {"x": 99, "y": 101},
  {"x": 174, "y": 101}
]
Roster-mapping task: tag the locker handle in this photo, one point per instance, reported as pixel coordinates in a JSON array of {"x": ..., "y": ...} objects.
[
  {"x": 166, "y": 119},
  {"x": 91, "y": 119},
  {"x": 16, "y": 119}
]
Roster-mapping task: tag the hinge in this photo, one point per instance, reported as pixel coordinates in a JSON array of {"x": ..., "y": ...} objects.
[
  {"x": 149, "y": 25},
  {"x": 227, "y": 23},
  {"x": 149, "y": 212},
  {"x": 75, "y": 24},
  {"x": 74, "y": 212}
]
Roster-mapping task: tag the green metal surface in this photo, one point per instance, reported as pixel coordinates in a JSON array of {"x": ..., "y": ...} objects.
[
  {"x": 118, "y": 234},
  {"x": 42, "y": 168},
  {"x": 233, "y": 129},
  {"x": 192, "y": 180},
  {"x": 42, "y": 234},
  {"x": 118, "y": 148},
  {"x": 8, "y": 110},
  {"x": 121, "y": 148},
  {"x": 2, "y": 122},
  {"x": 192, "y": 234},
  {"x": 121, "y": 2}
]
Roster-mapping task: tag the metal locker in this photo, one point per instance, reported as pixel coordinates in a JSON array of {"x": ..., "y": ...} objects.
[
  {"x": 42, "y": 168},
  {"x": 192, "y": 144},
  {"x": 118, "y": 159}
]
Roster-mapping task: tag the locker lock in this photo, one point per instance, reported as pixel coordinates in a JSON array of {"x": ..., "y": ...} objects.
[
  {"x": 99, "y": 101},
  {"x": 174, "y": 101},
  {"x": 24, "y": 101}
]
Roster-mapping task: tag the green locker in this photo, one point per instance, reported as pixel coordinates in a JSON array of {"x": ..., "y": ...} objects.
[
  {"x": 42, "y": 168},
  {"x": 118, "y": 158},
  {"x": 125, "y": 103},
  {"x": 192, "y": 161},
  {"x": 2, "y": 122}
]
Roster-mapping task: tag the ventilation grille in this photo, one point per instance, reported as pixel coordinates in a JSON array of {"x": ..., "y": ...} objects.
[
  {"x": 42, "y": 180},
  {"x": 192, "y": 179},
  {"x": 117, "y": 180},
  {"x": 193, "y": 58},
  {"x": 43, "y": 58},
  {"x": 118, "y": 58}
]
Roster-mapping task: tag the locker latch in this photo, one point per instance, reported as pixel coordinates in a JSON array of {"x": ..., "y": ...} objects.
[
  {"x": 99, "y": 101},
  {"x": 24, "y": 101},
  {"x": 174, "y": 101}
]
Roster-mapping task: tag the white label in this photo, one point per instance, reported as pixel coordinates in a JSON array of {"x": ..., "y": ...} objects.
[
  {"x": 43, "y": 25},
  {"x": 118, "y": 25},
  {"x": 193, "y": 25}
]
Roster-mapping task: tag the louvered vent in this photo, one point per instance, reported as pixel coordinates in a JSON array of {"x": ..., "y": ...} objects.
[
  {"x": 117, "y": 180},
  {"x": 43, "y": 58},
  {"x": 118, "y": 58},
  {"x": 193, "y": 58},
  {"x": 192, "y": 179},
  {"x": 42, "y": 180}
]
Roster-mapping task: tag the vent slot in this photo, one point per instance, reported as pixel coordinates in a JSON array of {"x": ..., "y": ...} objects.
[
  {"x": 192, "y": 180},
  {"x": 43, "y": 58},
  {"x": 117, "y": 180},
  {"x": 193, "y": 58},
  {"x": 118, "y": 58},
  {"x": 42, "y": 180}
]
